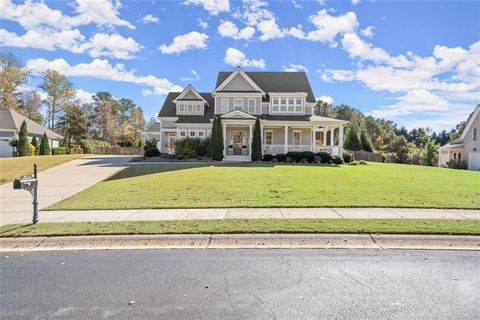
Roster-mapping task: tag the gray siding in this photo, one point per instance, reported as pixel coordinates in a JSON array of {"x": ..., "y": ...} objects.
[
  {"x": 308, "y": 110},
  {"x": 279, "y": 135},
  {"x": 190, "y": 95},
  {"x": 265, "y": 108},
  {"x": 238, "y": 83}
]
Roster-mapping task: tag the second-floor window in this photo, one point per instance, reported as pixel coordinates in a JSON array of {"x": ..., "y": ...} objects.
[
  {"x": 474, "y": 134},
  {"x": 238, "y": 104},
  {"x": 251, "y": 106},
  {"x": 287, "y": 105},
  {"x": 189, "y": 108},
  {"x": 224, "y": 105}
]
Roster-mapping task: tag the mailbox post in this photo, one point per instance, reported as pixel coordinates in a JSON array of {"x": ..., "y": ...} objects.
[{"x": 30, "y": 183}]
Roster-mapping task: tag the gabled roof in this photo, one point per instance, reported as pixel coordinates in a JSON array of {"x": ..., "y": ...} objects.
[
  {"x": 459, "y": 142},
  {"x": 169, "y": 109},
  {"x": 184, "y": 93},
  {"x": 237, "y": 114},
  {"x": 154, "y": 128},
  {"x": 11, "y": 120},
  {"x": 237, "y": 72},
  {"x": 276, "y": 81}
]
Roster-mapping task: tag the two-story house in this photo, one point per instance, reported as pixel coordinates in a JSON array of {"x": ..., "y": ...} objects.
[
  {"x": 467, "y": 147},
  {"x": 283, "y": 101}
]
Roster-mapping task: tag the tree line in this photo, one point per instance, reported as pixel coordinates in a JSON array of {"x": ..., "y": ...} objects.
[
  {"x": 396, "y": 144},
  {"x": 116, "y": 121}
]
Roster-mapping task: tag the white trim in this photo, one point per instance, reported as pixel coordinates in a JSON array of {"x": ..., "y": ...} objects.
[
  {"x": 184, "y": 92},
  {"x": 286, "y": 105},
  {"x": 238, "y": 70},
  {"x": 235, "y": 107},
  {"x": 289, "y": 94},
  {"x": 254, "y": 105},
  {"x": 237, "y": 114},
  {"x": 475, "y": 114},
  {"x": 293, "y": 137}
]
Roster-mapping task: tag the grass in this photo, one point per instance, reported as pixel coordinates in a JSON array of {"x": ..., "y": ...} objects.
[
  {"x": 385, "y": 226},
  {"x": 11, "y": 168},
  {"x": 269, "y": 185}
]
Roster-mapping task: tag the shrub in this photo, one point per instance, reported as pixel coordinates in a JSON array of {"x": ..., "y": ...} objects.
[
  {"x": 23, "y": 146},
  {"x": 280, "y": 157},
  {"x": 35, "y": 144},
  {"x": 180, "y": 156},
  {"x": 347, "y": 157},
  {"x": 75, "y": 149},
  {"x": 337, "y": 160},
  {"x": 325, "y": 156},
  {"x": 193, "y": 147},
  {"x": 257, "y": 142},
  {"x": 308, "y": 155},
  {"x": 317, "y": 160},
  {"x": 31, "y": 149},
  {"x": 88, "y": 145},
  {"x": 304, "y": 161},
  {"x": 362, "y": 162},
  {"x": 274, "y": 160},
  {"x": 59, "y": 150},
  {"x": 267, "y": 157},
  {"x": 44, "y": 146},
  {"x": 456, "y": 164},
  {"x": 150, "y": 148},
  {"x": 354, "y": 163},
  {"x": 288, "y": 160}
]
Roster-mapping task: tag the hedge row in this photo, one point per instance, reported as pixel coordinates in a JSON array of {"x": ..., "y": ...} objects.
[
  {"x": 303, "y": 157},
  {"x": 59, "y": 150},
  {"x": 88, "y": 145},
  {"x": 193, "y": 147}
]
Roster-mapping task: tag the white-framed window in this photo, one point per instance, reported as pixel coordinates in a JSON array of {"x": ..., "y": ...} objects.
[
  {"x": 183, "y": 133},
  {"x": 189, "y": 108},
  {"x": 192, "y": 133},
  {"x": 238, "y": 104},
  {"x": 198, "y": 108},
  {"x": 201, "y": 134},
  {"x": 268, "y": 137},
  {"x": 474, "y": 134},
  {"x": 224, "y": 105},
  {"x": 181, "y": 107},
  {"x": 251, "y": 106},
  {"x": 287, "y": 105},
  {"x": 297, "y": 137}
]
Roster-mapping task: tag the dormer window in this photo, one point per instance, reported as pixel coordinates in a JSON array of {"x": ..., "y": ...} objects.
[
  {"x": 189, "y": 108},
  {"x": 287, "y": 105}
]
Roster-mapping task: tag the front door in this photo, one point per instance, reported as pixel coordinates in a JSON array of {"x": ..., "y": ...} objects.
[
  {"x": 237, "y": 144},
  {"x": 171, "y": 144}
]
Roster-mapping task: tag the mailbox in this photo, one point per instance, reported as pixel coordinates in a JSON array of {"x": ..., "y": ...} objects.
[{"x": 25, "y": 182}]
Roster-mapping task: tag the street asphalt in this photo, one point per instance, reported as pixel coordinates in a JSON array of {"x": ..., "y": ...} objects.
[{"x": 241, "y": 284}]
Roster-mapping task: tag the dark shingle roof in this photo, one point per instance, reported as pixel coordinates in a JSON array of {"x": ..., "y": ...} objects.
[
  {"x": 168, "y": 109},
  {"x": 302, "y": 117},
  {"x": 278, "y": 81},
  {"x": 11, "y": 120}
]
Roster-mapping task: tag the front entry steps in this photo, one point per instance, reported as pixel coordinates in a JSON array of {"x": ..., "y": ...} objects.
[{"x": 237, "y": 159}]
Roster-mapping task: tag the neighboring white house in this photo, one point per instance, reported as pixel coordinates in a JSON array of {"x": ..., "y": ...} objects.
[
  {"x": 10, "y": 122},
  {"x": 153, "y": 132},
  {"x": 283, "y": 101},
  {"x": 467, "y": 147}
]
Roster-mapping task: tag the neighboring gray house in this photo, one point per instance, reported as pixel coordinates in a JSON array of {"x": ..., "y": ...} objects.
[
  {"x": 10, "y": 122},
  {"x": 283, "y": 101},
  {"x": 153, "y": 132},
  {"x": 467, "y": 147}
]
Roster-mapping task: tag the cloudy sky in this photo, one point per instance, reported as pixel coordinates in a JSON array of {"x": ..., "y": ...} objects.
[{"x": 417, "y": 63}]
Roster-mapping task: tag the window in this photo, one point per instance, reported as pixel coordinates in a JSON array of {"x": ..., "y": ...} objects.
[
  {"x": 287, "y": 105},
  {"x": 192, "y": 133},
  {"x": 198, "y": 108},
  {"x": 474, "y": 134},
  {"x": 291, "y": 106},
  {"x": 251, "y": 106},
  {"x": 238, "y": 104},
  {"x": 183, "y": 134},
  {"x": 297, "y": 137},
  {"x": 283, "y": 105},
  {"x": 268, "y": 137},
  {"x": 181, "y": 107},
  {"x": 224, "y": 105},
  {"x": 201, "y": 134},
  {"x": 190, "y": 108}
]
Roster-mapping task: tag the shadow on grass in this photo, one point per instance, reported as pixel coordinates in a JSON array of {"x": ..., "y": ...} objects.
[
  {"x": 15, "y": 228},
  {"x": 137, "y": 170}
]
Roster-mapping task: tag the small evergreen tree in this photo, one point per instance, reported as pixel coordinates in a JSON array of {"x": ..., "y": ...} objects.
[
  {"x": 352, "y": 138},
  {"x": 257, "y": 142},
  {"x": 431, "y": 153},
  {"x": 44, "y": 146},
  {"x": 217, "y": 139},
  {"x": 35, "y": 144},
  {"x": 23, "y": 149},
  {"x": 366, "y": 142}
]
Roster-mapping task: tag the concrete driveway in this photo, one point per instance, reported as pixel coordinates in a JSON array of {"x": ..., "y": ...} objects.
[{"x": 56, "y": 184}]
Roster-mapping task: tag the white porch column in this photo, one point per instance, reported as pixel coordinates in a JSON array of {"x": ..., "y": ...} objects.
[
  {"x": 250, "y": 140},
  {"x": 331, "y": 136},
  {"x": 286, "y": 140},
  {"x": 161, "y": 136},
  {"x": 340, "y": 141},
  {"x": 324, "y": 142},
  {"x": 225, "y": 146},
  {"x": 313, "y": 139}
]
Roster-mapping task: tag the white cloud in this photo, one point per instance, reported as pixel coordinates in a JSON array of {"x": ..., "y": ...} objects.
[
  {"x": 214, "y": 7},
  {"x": 84, "y": 96},
  {"x": 193, "y": 77},
  {"x": 328, "y": 27},
  {"x": 236, "y": 57},
  {"x": 229, "y": 29},
  {"x": 296, "y": 4},
  {"x": 37, "y": 14},
  {"x": 150, "y": 18},
  {"x": 326, "y": 99},
  {"x": 354, "y": 2},
  {"x": 295, "y": 67},
  {"x": 102, "y": 69},
  {"x": 188, "y": 41},
  {"x": 100, "y": 44},
  {"x": 202, "y": 24},
  {"x": 368, "y": 32},
  {"x": 270, "y": 30}
]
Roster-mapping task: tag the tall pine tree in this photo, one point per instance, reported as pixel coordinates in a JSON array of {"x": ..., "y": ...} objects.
[
  {"x": 257, "y": 142},
  {"x": 35, "y": 144},
  {"x": 217, "y": 139},
  {"x": 352, "y": 138},
  {"x": 44, "y": 146}
]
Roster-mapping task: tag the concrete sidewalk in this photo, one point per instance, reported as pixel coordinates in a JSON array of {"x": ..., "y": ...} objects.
[
  {"x": 56, "y": 184},
  {"x": 244, "y": 213}
]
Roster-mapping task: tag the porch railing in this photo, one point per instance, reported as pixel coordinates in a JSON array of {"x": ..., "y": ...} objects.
[{"x": 280, "y": 148}]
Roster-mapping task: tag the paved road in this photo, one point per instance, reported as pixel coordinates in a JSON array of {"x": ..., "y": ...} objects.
[
  {"x": 56, "y": 184},
  {"x": 241, "y": 284}
]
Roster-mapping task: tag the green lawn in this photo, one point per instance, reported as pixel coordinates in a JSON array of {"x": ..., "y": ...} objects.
[
  {"x": 385, "y": 226},
  {"x": 269, "y": 185},
  {"x": 11, "y": 168}
]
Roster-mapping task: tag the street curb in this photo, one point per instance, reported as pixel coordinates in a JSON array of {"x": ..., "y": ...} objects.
[{"x": 239, "y": 241}]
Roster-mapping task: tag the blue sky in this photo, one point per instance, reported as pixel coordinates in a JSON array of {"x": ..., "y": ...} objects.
[{"x": 417, "y": 63}]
